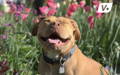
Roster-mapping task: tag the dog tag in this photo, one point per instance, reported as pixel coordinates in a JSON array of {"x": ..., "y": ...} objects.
[{"x": 61, "y": 69}]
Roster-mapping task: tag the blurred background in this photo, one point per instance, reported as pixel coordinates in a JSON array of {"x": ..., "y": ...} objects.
[{"x": 20, "y": 51}]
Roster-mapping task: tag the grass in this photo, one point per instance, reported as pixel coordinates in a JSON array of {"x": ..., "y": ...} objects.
[{"x": 22, "y": 50}]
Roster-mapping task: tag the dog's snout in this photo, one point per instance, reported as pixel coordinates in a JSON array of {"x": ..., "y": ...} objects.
[
  {"x": 57, "y": 23},
  {"x": 54, "y": 24}
]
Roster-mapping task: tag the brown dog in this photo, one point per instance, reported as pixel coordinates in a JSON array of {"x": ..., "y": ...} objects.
[{"x": 61, "y": 56}]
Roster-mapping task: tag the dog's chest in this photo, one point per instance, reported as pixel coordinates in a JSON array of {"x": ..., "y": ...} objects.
[{"x": 54, "y": 70}]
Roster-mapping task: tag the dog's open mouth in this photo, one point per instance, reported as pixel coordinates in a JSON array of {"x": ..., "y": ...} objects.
[{"x": 55, "y": 39}]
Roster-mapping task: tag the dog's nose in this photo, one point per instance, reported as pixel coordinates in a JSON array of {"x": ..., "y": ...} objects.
[{"x": 55, "y": 24}]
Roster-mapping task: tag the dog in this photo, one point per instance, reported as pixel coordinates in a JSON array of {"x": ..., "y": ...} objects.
[{"x": 61, "y": 56}]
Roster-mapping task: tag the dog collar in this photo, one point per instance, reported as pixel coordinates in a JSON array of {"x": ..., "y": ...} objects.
[{"x": 60, "y": 60}]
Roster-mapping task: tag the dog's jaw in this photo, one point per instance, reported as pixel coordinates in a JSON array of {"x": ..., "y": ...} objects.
[
  {"x": 52, "y": 54},
  {"x": 55, "y": 40}
]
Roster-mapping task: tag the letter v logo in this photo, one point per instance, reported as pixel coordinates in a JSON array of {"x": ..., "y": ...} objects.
[{"x": 104, "y": 7}]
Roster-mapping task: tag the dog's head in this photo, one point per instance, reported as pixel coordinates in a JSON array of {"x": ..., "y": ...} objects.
[{"x": 57, "y": 33}]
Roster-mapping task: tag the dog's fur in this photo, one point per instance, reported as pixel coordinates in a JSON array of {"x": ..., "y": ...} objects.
[{"x": 66, "y": 28}]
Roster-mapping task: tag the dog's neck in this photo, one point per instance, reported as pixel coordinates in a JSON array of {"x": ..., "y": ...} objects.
[{"x": 57, "y": 58}]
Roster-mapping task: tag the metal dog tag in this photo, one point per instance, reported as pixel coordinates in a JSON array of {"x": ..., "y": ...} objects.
[{"x": 61, "y": 69}]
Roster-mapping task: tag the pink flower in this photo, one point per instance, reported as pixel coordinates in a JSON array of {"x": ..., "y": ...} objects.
[
  {"x": 99, "y": 15},
  {"x": 44, "y": 10},
  {"x": 27, "y": 10},
  {"x": 51, "y": 12},
  {"x": 50, "y": 0},
  {"x": 8, "y": 24},
  {"x": 3, "y": 67},
  {"x": 82, "y": 4},
  {"x": 69, "y": 13},
  {"x": 96, "y": 3},
  {"x": 71, "y": 9},
  {"x": 91, "y": 21},
  {"x": 87, "y": 8},
  {"x": 13, "y": 8},
  {"x": 24, "y": 16},
  {"x": 1, "y": 13},
  {"x": 17, "y": 13},
  {"x": 4, "y": 36},
  {"x": 52, "y": 4}
]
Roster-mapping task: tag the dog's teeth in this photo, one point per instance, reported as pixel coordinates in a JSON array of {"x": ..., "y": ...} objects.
[
  {"x": 54, "y": 41},
  {"x": 57, "y": 42}
]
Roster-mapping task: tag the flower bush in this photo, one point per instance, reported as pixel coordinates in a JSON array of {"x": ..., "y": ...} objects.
[{"x": 19, "y": 50}]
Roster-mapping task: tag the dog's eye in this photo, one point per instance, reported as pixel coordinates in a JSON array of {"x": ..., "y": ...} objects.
[{"x": 46, "y": 20}]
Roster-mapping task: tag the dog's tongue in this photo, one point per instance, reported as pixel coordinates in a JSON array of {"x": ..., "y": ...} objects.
[{"x": 55, "y": 41}]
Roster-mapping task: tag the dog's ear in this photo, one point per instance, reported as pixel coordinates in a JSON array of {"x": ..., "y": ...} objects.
[
  {"x": 76, "y": 31},
  {"x": 37, "y": 21}
]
